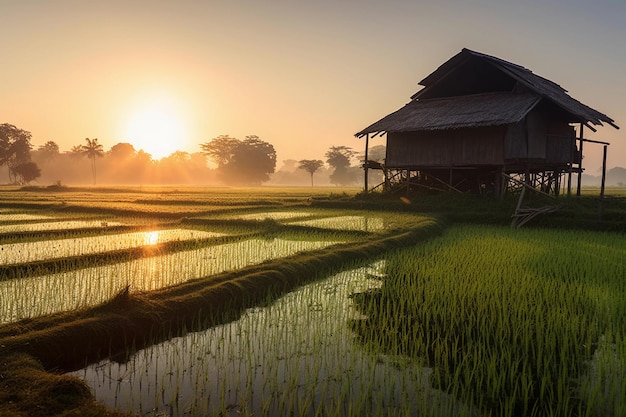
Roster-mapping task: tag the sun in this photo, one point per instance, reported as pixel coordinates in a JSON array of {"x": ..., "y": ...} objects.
[{"x": 157, "y": 128}]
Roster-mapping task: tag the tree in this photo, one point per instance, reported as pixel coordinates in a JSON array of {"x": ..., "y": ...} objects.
[
  {"x": 221, "y": 149},
  {"x": 248, "y": 162},
  {"x": 377, "y": 153},
  {"x": 26, "y": 172},
  {"x": 310, "y": 166},
  {"x": 92, "y": 150},
  {"x": 339, "y": 157},
  {"x": 15, "y": 150},
  {"x": 122, "y": 151},
  {"x": 76, "y": 151},
  {"x": 14, "y": 143},
  {"x": 49, "y": 150}
]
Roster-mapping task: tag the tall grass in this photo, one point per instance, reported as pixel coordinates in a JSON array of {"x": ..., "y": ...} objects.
[{"x": 508, "y": 318}]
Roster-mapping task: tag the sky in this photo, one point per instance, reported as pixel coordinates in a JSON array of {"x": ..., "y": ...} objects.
[{"x": 302, "y": 75}]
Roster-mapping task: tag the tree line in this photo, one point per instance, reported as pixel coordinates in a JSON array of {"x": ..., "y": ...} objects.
[{"x": 247, "y": 162}]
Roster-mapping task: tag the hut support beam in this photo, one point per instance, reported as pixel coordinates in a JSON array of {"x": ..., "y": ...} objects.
[
  {"x": 580, "y": 163},
  {"x": 572, "y": 145},
  {"x": 365, "y": 166},
  {"x": 603, "y": 172}
]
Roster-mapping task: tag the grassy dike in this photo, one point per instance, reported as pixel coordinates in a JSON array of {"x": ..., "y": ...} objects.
[{"x": 34, "y": 352}]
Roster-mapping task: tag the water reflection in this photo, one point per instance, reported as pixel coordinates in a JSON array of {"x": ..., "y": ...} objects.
[
  {"x": 152, "y": 238},
  {"x": 24, "y": 252},
  {"x": 34, "y": 296},
  {"x": 273, "y": 215},
  {"x": 362, "y": 223},
  {"x": 56, "y": 225},
  {"x": 295, "y": 357}
]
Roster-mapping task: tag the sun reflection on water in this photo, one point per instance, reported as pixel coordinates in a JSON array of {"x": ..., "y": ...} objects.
[{"x": 152, "y": 238}]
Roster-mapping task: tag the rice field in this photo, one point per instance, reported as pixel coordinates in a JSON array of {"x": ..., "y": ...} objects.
[
  {"x": 363, "y": 223},
  {"x": 14, "y": 253},
  {"x": 294, "y": 357},
  {"x": 481, "y": 321},
  {"x": 514, "y": 321},
  {"x": 8, "y": 217},
  {"x": 39, "y": 295},
  {"x": 273, "y": 215},
  {"x": 56, "y": 226}
]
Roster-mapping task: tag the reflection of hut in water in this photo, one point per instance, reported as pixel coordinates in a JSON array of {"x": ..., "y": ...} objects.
[{"x": 481, "y": 124}]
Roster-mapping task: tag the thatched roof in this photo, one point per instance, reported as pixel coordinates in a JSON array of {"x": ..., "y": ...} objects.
[
  {"x": 489, "y": 109},
  {"x": 481, "y": 109}
]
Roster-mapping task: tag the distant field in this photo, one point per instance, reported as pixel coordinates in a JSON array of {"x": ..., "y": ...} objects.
[{"x": 608, "y": 191}]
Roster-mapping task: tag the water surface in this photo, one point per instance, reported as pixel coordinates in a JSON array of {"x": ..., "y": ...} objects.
[
  {"x": 14, "y": 253},
  {"x": 56, "y": 225},
  {"x": 295, "y": 357},
  {"x": 35, "y": 296}
]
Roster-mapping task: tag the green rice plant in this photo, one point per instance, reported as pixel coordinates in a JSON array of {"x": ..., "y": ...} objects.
[
  {"x": 57, "y": 225},
  {"x": 74, "y": 289},
  {"x": 273, "y": 215},
  {"x": 296, "y": 356},
  {"x": 16, "y": 253},
  {"x": 363, "y": 223},
  {"x": 20, "y": 217},
  {"x": 508, "y": 318}
]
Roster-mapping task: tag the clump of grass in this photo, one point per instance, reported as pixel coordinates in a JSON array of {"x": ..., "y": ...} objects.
[{"x": 26, "y": 389}]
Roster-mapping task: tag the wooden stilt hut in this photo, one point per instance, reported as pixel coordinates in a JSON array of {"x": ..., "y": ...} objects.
[{"x": 481, "y": 124}]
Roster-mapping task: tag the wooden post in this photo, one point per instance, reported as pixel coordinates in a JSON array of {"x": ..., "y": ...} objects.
[
  {"x": 580, "y": 164},
  {"x": 603, "y": 173},
  {"x": 367, "y": 140},
  {"x": 498, "y": 183},
  {"x": 572, "y": 147},
  {"x": 557, "y": 183}
]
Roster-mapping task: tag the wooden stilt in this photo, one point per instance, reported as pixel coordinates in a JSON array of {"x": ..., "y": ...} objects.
[
  {"x": 572, "y": 145},
  {"x": 580, "y": 163},
  {"x": 603, "y": 172},
  {"x": 365, "y": 164}
]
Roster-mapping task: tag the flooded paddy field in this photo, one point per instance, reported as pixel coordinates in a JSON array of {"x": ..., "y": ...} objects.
[
  {"x": 70, "y": 290},
  {"x": 470, "y": 320},
  {"x": 58, "y": 225},
  {"x": 15, "y": 253},
  {"x": 296, "y": 356}
]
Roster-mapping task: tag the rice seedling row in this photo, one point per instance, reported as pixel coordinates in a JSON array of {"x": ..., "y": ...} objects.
[
  {"x": 60, "y": 225},
  {"x": 363, "y": 223},
  {"x": 35, "y": 296},
  {"x": 294, "y": 357},
  {"x": 15, "y": 253},
  {"x": 509, "y": 319}
]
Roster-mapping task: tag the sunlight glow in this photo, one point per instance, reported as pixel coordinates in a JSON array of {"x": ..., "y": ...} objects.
[
  {"x": 152, "y": 238},
  {"x": 157, "y": 128}
]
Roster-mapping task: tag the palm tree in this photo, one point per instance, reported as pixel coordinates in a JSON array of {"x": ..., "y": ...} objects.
[
  {"x": 92, "y": 149},
  {"x": 310, "y": 166}
]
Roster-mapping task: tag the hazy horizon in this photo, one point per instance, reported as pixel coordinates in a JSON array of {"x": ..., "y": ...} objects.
[{"x": 303, "y": 76}]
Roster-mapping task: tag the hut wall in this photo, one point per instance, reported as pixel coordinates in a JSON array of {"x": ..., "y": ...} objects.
[
  {"x": 560, "y": 142},
  {"x": 446, "y": 148},
  {"x": 515, "y": 141},
  {"x": 537, "y": 138},
  {"x": 537, "y": 127}
]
